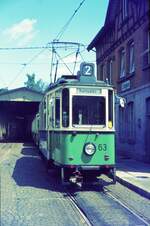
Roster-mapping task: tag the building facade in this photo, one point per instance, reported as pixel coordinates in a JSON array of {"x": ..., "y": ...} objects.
[{"x": 123, "y": 59}]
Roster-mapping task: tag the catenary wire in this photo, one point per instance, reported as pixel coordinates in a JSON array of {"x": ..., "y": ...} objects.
[
  {"x": 44, "y": 47},
  {"x": 63, "y": 62},
  {"x": 60, "y": 34}
]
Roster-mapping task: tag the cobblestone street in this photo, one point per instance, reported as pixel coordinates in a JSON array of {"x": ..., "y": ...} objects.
[{"x": 28, "y": 195}]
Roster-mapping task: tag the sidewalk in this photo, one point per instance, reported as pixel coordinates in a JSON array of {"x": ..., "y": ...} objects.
[{"x": 135, "y": 175}]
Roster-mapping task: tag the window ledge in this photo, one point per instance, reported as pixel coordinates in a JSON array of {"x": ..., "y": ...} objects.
[{"x": 129, "y": 75}]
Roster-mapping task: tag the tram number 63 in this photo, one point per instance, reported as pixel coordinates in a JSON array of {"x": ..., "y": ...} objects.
[{"x": 102, "y": 147}]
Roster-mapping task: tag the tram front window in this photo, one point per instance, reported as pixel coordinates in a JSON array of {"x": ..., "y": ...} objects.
[{"x": 88, "y": 110}]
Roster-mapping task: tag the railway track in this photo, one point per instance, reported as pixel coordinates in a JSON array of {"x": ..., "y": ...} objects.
[
  {"x": 127, "y": 207},
  {"x": 85, "y": 220}
]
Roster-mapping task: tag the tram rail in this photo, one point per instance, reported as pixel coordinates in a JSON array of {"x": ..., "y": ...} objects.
[
  {"x": 127, "y": 207},
  {"x": 81, "y": 212}
]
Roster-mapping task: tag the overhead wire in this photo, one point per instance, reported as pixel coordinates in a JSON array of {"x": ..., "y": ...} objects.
[
  {"x": 47, "y": 46},
  {"x": 6, "y": 87},
  {"x": 35, "y": 56},
  {"x": 16, "y": 77},
  {"x": 23, "y": 48},
  {"x": 77, "y": 53},
  {"x": 51, "y": 70},
  {"x": 59, "y": 35},
  {"x": 24, "y": 67},
  {"x": 78, "y": 62},
  {"x": 55, "y": 55},
  {"x": 64, "y": 63},
  {"x": 81, "y": 56}
]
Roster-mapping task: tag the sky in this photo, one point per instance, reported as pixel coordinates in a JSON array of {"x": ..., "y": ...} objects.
[{"x": 35, "y": 23}]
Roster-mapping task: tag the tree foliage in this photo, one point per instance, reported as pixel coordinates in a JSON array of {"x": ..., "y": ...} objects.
[
  {"x": 2, "y": 90},
  {"x": 35, "y": 85}
]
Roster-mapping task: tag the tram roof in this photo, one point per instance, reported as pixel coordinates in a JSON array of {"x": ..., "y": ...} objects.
[{"x": 74, "y": 80}]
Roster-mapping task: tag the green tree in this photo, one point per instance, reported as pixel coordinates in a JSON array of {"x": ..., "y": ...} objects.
[
  {"x": 2, "y": 90},
  {"x": 35, "y": 85}
]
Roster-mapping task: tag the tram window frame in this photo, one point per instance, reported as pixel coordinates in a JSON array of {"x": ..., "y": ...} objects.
[
  {"x": 65, "y": 107},
  {"x": 80, "y": 119},
  {"x": 41, "y": 116},
  {"x": 51, "y": 111},
  {"x": 110, "y": 107},
  {"x": 57, "y": 112},
  {"x": 44, "y": 113}
]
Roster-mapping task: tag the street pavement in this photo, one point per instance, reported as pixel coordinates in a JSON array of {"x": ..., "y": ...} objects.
[
  {"x": 30, "y": 196},
  {"x": 131, "y": 173},
  {"x": 134, "y": 174}
]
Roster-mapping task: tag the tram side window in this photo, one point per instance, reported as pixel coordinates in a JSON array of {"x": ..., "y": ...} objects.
[
  {"x": 57, "y": 112},
  {"x": 44, "y": 114},
  {"x": 110, "y": 106},
  {"x": 65, "y": 107},
  {"x": 51, "y": 112},
  {"x": 88, "y": 110}
]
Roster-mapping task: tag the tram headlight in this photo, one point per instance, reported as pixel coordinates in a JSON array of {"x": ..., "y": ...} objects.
[{"x": 89, "y": 149}]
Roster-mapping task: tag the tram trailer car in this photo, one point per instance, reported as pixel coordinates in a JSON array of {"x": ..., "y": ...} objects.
[{"x": 75, "y": 127}]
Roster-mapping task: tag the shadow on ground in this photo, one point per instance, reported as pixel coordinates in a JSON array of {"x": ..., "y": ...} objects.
[{"x": 30, "y": 170}]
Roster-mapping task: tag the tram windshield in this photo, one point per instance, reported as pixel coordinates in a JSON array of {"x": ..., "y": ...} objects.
[{"x": 88, "y": 110}]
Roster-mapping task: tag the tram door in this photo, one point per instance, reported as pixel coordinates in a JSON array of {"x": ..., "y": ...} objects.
[{"x": 147, "y": 129}]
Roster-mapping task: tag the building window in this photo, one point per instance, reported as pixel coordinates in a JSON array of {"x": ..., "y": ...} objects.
[
  {"x": 130, "y": 121},
  {"x": 122, "y": 124},
  {"x": 131, "y": 58},
  {"x": 148, "y": 106},
  {"x": 148, "y": 47},
  {"x": 109, "y": 70},
  {"x": 122, "y": 63},
  {"x": 102, "y": 72},
  {"x": 146, "y": 53},
  {"x": 124, "y": 9}
]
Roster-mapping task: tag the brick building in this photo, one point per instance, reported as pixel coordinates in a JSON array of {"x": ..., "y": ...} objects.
[{"x": 123, "y": 58}]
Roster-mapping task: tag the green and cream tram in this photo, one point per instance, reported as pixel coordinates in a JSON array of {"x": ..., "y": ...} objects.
[{"x": 76, "y": 130}]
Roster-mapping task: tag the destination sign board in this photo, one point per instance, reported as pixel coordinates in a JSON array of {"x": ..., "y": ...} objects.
[{"x": 89, "y": 91}]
